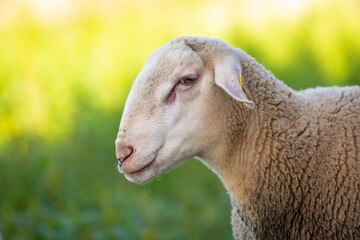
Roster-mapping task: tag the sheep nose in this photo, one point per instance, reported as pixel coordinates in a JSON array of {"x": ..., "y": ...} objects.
[{"x": 123, "y": 154}]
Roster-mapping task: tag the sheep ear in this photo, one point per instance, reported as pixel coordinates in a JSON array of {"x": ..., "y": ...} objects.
[{"x": 228, "y": 76}]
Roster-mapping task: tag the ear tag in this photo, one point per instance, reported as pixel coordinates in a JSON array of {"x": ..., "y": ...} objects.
[{"x": 240, "y": 78}]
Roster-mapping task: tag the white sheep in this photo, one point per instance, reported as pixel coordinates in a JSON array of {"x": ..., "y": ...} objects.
[{"x": 290, "y": 160}]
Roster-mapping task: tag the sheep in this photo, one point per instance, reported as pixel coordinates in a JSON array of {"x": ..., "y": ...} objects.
[{"x": 289, "y": 160}]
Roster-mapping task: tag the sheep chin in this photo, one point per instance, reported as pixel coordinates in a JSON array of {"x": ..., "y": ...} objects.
[{"x": 144, "y": 175}]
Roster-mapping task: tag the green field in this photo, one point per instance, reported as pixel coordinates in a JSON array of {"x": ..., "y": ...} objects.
[{"x": 66, "y": 68}]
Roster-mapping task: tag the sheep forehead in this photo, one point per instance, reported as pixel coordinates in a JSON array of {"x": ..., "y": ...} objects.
[
  {"x": 155, "y": 77},
  {"x": 162, "y": 64},
  {"x": 154, "y": 80}
]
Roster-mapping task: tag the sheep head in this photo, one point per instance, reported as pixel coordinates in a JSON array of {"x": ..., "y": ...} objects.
[{"x": 172, "y": 109}]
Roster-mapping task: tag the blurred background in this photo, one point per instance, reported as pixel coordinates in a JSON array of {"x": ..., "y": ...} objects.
[{"x": 66, "y": 67}]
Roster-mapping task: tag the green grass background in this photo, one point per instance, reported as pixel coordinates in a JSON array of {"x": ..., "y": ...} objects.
[{"x": 66, "y": 68}]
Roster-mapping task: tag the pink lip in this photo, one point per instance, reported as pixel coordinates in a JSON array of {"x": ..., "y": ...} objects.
[{"x": 138, "y": 170}]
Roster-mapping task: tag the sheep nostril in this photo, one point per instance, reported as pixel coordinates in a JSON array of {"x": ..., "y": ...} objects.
[{"x": 124, "y": 154}]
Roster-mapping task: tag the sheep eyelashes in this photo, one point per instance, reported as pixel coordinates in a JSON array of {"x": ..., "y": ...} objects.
[{"x": 291, "y": 165}]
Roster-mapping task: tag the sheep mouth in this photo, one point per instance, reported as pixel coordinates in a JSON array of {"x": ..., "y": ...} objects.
[{"x": 142, "y": 169}]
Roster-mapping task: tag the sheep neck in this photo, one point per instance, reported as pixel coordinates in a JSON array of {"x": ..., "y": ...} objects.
[{"x": 255, "y": 135}]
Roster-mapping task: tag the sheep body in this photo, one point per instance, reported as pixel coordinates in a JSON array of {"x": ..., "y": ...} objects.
[{"x": 304, "y": 150}]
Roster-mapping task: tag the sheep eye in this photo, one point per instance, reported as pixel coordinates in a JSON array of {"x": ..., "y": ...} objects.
[{"x": 187, "y": 80}]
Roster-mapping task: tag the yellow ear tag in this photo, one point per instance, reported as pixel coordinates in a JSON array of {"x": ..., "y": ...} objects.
[{"x": 240, "y": 78}]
